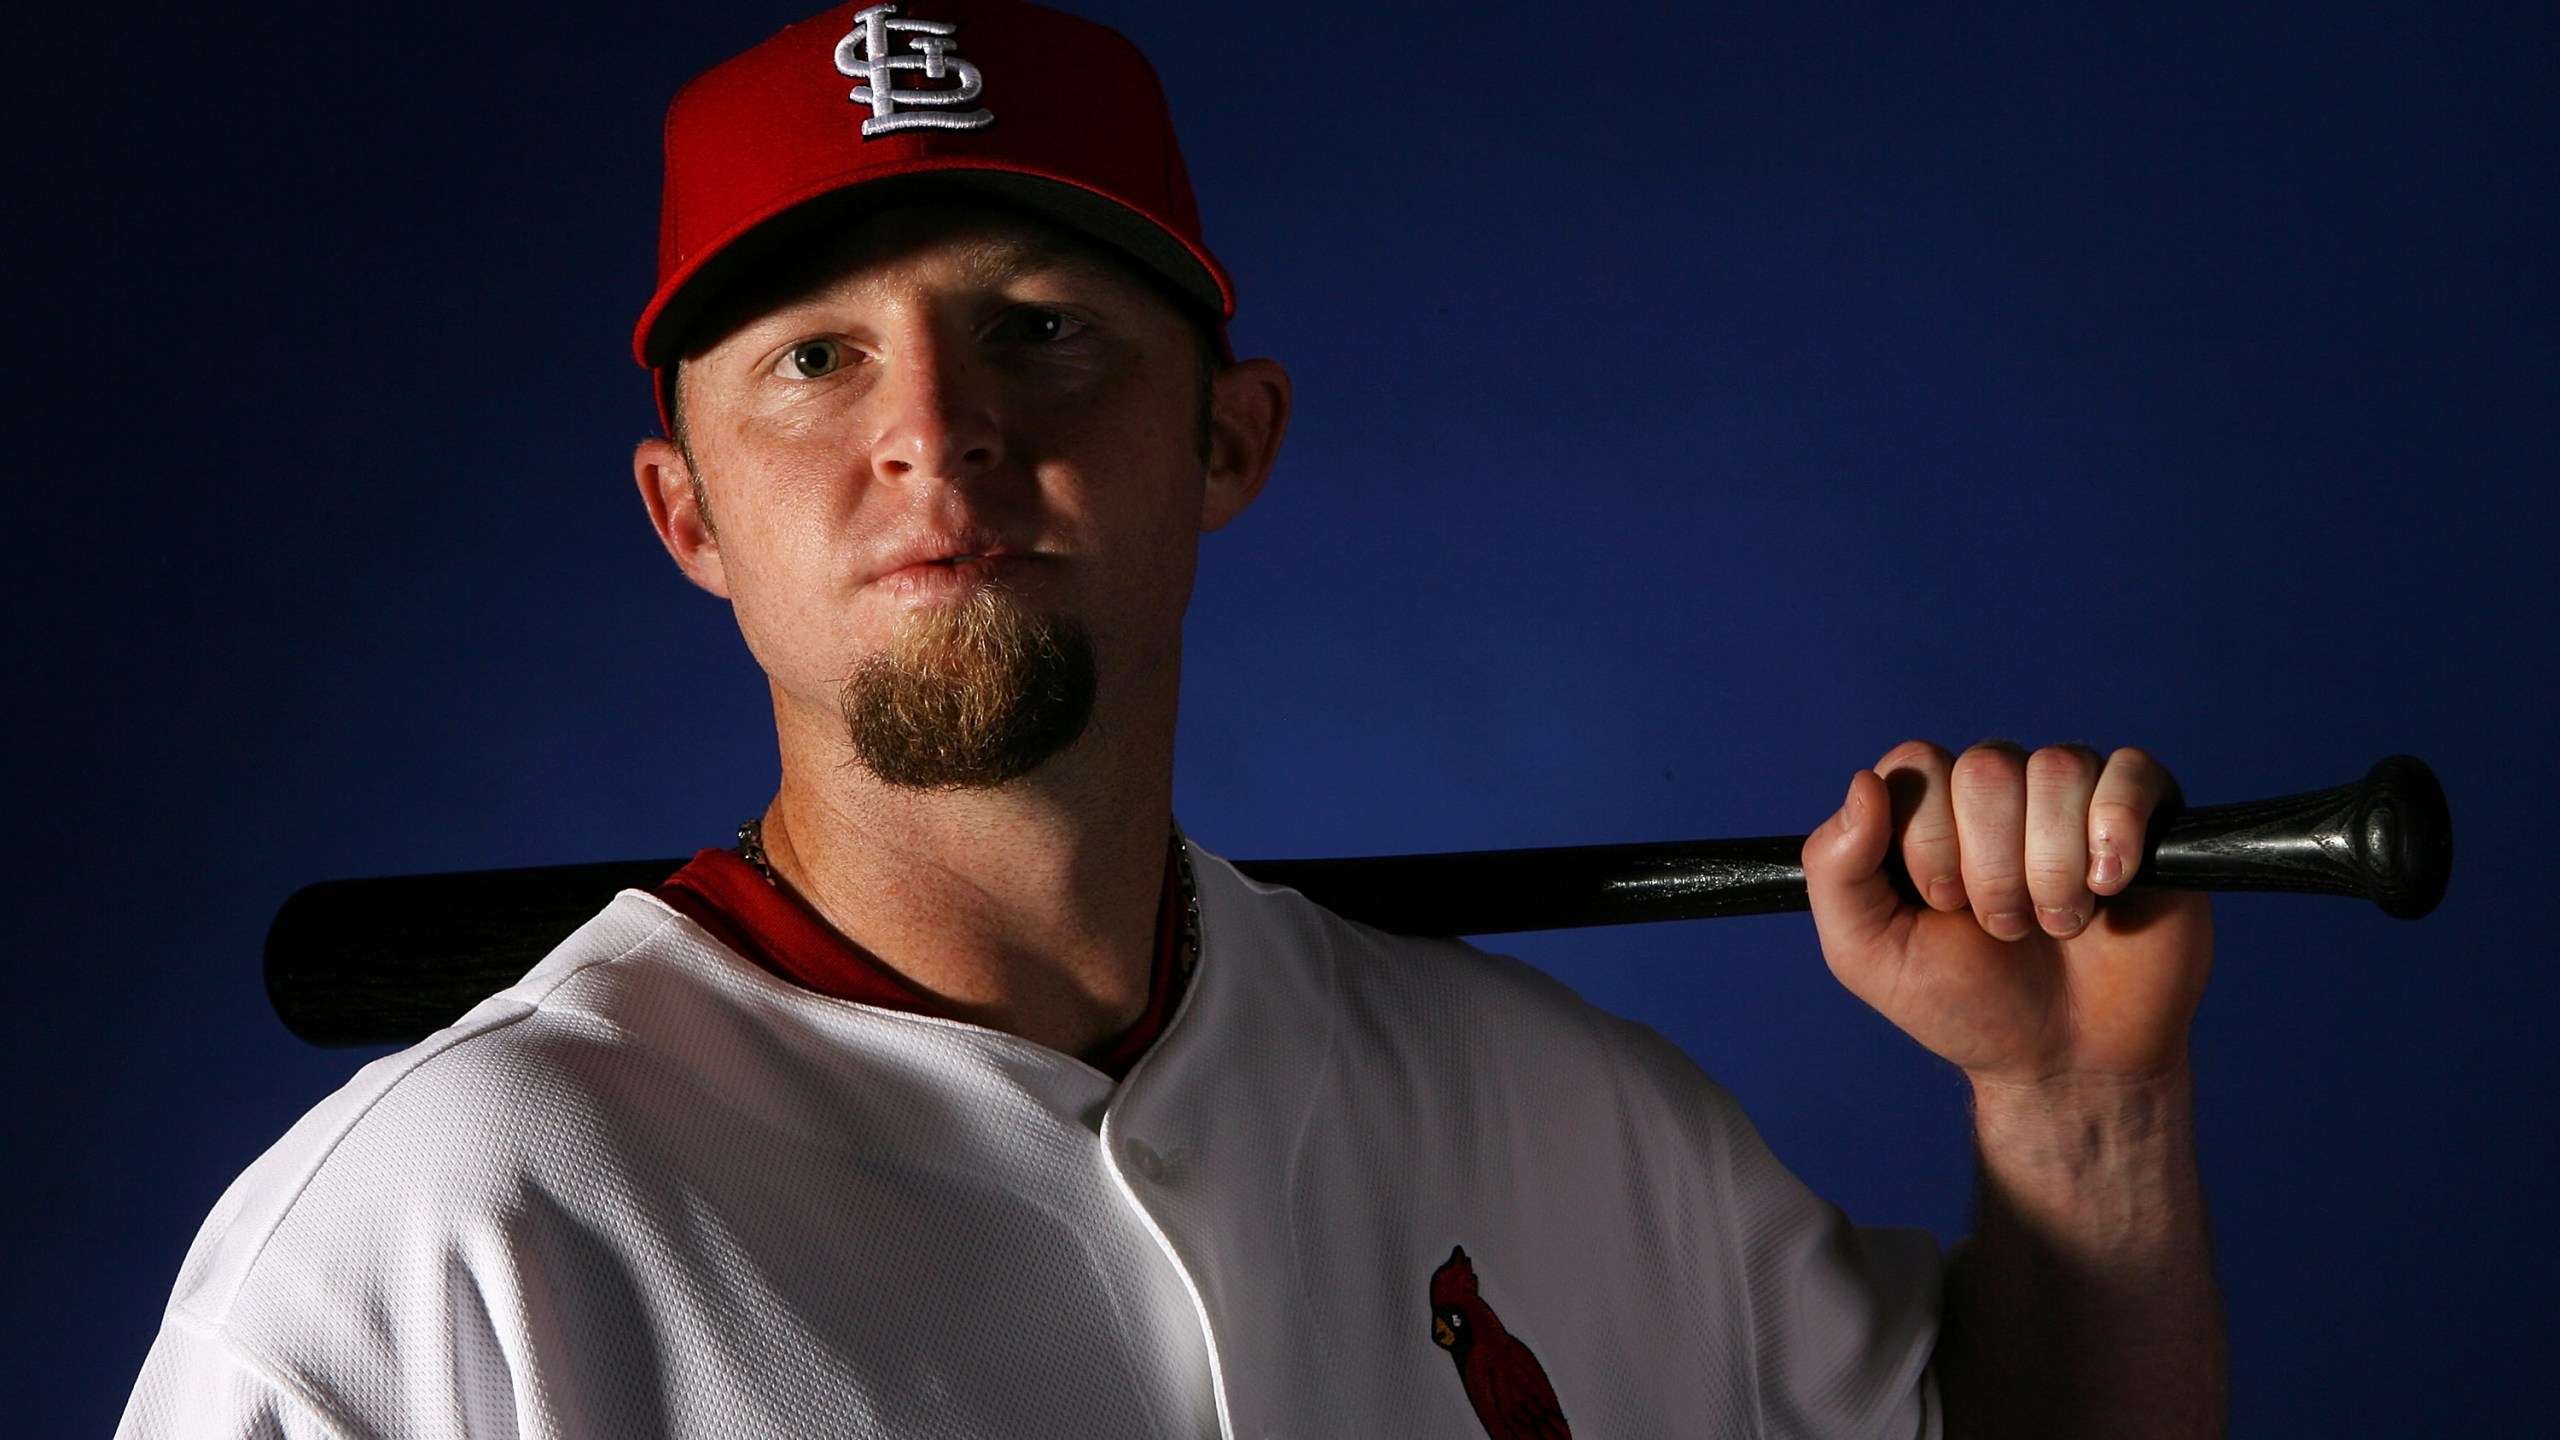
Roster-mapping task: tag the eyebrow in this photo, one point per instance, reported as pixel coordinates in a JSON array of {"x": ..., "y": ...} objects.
[
  {"x": 992, "y": 258},
  {"x": 995, "y": 260}
]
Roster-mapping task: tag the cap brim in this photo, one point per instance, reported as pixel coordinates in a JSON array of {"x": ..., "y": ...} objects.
[{"x": 1143, "y": 239}]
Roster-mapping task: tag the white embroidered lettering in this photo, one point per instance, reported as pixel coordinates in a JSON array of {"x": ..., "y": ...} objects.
[{"x": 865, "y": 53}]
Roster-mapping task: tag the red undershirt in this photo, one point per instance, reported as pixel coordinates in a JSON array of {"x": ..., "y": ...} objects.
[{"x": 777, "y": 930}]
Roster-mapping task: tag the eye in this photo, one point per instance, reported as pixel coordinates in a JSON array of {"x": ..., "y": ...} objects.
[
  {"x": 811, "y": 359},
  {"x": 1037, "y": 325}
]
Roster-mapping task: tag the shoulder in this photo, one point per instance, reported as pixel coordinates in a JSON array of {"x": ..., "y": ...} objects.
[
  {"x": 1400, "y": 975},
  {"x": 420, "y": 1139},
  {"x": 1439, "y": 1009}
]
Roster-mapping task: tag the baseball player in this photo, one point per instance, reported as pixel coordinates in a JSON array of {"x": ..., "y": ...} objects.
[{"x": 966, "y": 1097}]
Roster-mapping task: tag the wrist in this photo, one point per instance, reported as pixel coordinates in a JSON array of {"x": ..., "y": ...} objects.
[
  {"x": 2103, "y": 1166},
  {"x": 2119, "y": 1100}
]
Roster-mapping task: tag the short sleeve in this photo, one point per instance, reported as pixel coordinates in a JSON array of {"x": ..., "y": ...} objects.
[
  {"x": 1840, "y": 1319},
  {"x": 195, "y": 1385},
  {"x": 1843, "y": 1317}
]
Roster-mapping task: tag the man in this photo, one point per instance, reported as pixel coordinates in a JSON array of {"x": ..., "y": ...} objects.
[{"x": 967, "y": 1098}]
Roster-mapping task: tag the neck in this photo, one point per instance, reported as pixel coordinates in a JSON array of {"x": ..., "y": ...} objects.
[{"x": 1028, "y": 908}]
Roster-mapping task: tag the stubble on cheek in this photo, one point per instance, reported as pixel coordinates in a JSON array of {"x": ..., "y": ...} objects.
[{"x": 971, "y": 695}]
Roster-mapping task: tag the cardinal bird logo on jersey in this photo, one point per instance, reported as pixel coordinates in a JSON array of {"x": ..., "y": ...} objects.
[{"x": 1504, "y": 1380}]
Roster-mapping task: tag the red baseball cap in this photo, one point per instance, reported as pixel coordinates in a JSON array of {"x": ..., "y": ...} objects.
[{"x": 995, "y": 100}]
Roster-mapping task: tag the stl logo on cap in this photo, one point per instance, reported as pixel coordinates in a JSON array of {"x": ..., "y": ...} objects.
[{"x": 865, "y": 55}]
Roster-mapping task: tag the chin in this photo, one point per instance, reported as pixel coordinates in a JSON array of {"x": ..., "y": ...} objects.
[{"x": 974, "y": 693}]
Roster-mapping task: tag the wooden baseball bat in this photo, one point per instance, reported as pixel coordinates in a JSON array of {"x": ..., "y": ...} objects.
[{"x": 391, "y": 959}]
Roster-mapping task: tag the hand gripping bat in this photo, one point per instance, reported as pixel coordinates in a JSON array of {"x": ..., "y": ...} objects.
[{"x": 391, "y": 959}]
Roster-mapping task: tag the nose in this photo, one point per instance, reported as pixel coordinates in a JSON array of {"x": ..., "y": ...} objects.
[{"x": 937, "y": 409}]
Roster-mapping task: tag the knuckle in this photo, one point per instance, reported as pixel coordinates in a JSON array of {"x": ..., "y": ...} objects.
[
  {"x": 2062, "y": 765},
  {"x": 2137, "y": 766},
  {"x": 1914, "y": 755},
  {"x": 2053, "y": 878},
  {"x": 2003, "y": 873},
  {"x": 1908, "y": 789},
  {"x": 2115, "y": 820},
  {"x": 1989, "y": 764}
]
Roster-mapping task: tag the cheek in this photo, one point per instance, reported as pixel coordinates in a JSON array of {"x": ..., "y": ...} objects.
[
  {"x": 786, "y": 475},
  {"x": 776, "y": 530},
  {"x": 790, "y": 537},
  {"x": 1148, "y": 568},
  {"x": 1138, "y": 452}
]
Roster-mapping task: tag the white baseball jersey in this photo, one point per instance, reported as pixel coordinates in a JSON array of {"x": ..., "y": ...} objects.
[{"x": 652, "y": 1190}]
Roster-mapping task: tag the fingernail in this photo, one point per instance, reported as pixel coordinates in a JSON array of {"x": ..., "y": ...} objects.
[
  {"x": 2060, "y": 921},
  {"x": 1851, "y": 809},
  {"x": 1945, "y": 894},
  {"x": 2104, "y": 867},
  {"x": 2008, "y": 925}
]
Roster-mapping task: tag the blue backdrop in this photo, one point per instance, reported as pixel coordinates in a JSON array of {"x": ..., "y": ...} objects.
[{"x": 1693, "y": 403}]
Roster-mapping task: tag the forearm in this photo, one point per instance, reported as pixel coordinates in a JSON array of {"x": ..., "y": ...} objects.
[{"x": 2085, "y": 1303}]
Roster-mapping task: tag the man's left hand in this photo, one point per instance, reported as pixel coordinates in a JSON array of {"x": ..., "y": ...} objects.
[{"x": 2026, "y": 962}]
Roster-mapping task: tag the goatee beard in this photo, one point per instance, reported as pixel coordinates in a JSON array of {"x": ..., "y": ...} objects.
[{"x": 972, "y": 695}]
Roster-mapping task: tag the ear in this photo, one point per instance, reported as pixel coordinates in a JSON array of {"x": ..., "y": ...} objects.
[
  {"x": 667, "y": 487},
  {"x": 1249, "y": 412}
]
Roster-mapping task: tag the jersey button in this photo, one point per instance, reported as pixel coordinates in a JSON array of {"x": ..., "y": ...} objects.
[{"x": 1144, "y": 1160}]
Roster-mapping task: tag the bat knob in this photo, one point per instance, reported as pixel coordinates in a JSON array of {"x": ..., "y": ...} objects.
[
  {"x": 2387, "y": 837},
  {"x": 2402, "y": 834}
]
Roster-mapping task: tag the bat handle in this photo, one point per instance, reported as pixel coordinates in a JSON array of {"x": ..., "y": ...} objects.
[{"x": 2387, "y": 837}]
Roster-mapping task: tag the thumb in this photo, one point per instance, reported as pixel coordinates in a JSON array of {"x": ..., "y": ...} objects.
[{"x": 1854, "y": 902}]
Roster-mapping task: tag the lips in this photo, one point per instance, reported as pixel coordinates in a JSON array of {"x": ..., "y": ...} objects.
[{"x": 928, "y": 559}]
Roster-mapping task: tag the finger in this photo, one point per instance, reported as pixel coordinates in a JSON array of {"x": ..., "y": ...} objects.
[
  {"x": 1853, "y": 900},
  {"x": 2129, "y": 792},
  {"x": 1989, "y": 786},
  {"x": 1924, "y": 820},
  {"x": 2060, "y": 780}
]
